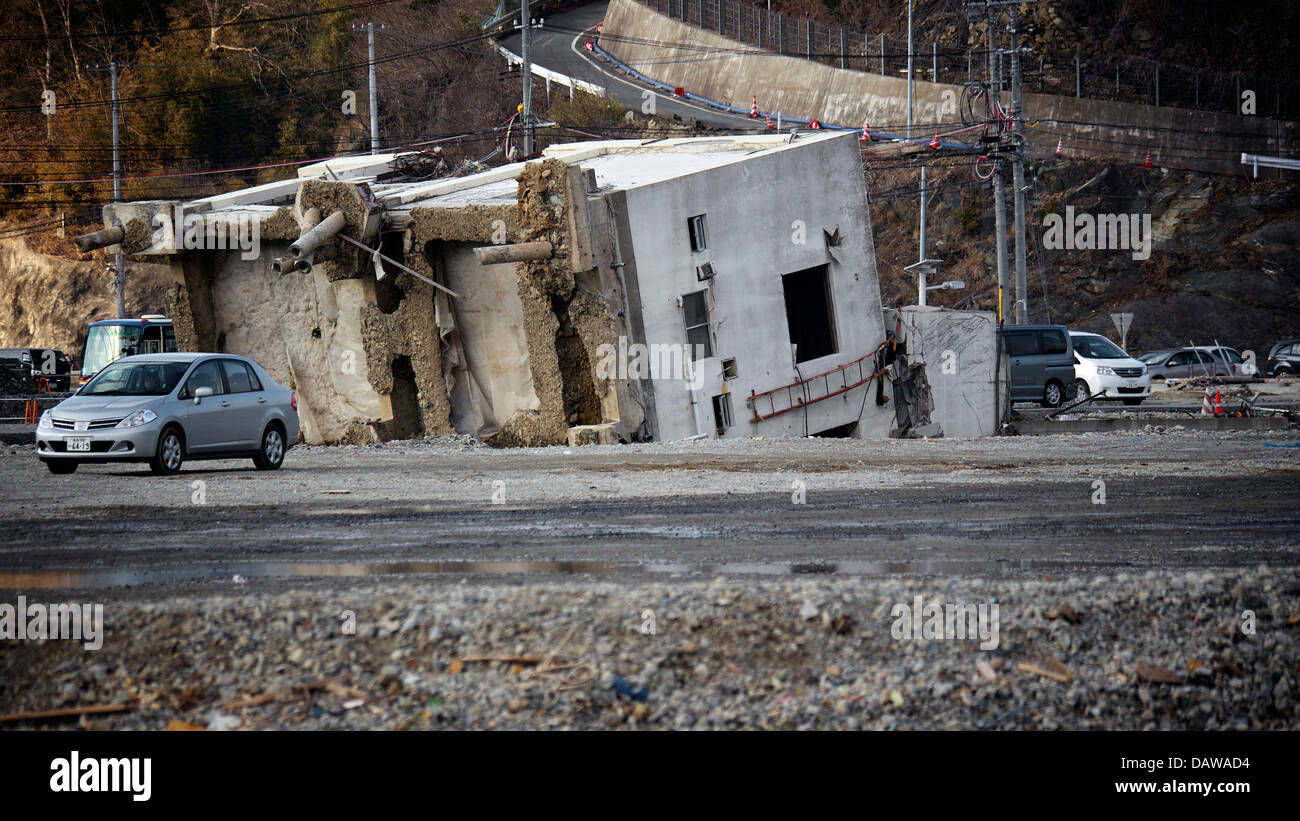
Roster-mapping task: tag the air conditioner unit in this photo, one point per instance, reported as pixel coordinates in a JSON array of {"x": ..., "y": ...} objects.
[{"x": 705, "y": 271}]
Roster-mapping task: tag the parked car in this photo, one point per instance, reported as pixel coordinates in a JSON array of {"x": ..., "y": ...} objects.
[
  {"x": 1103, "y": 371},
  {"x": 35, "y": 363},
  {"x": 1183, "y": 363},
  {"x": 1237, "y": 366},
  {"x": 1042, "y": 363},
  {"x": 1283, "y": 358},
  {"x": 166, "y": 408}
]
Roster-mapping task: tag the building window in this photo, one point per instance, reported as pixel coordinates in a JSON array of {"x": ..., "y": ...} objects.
[
  {"x": 698, "y": 334},
  {"x": 722, "y": 412},
  {"x": 699, "y": 237},
  {"x": 729, "y": 369},
  {"x": 808, "y": 313}
]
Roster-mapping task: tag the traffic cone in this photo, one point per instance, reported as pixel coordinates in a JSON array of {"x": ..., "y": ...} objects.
[
  {"x": 1218, "y": 404},
  {"x": 770, "y": 124},
  {"x": 1207, "y": 406},
  {"x": 866, "y": 132},
  {"x": 753, "y": 109},
  {"x": 935, "y": 142},
  {"x": 1147, "y": 162},
  {"x": 29, "y": 412},
  {"x": 1059, "y": 146},
  {"x": 814, "y": 124}
]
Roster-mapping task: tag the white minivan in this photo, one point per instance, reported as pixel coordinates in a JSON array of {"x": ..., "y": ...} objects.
[{"x": 1102, "y": 367}]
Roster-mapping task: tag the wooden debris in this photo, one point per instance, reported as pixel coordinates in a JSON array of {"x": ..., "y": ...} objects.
[
  {"x": 1156, "y": 674},
  {"x": 68, "y": 712},
  {"x": 1065, "y": 611},
  {"x": 248, "y": 701},
  {"x": 986, "y": 670},
  {"x": 1061, "y": 674},
  {"x": 176, "y": 725},
  {"x": 506, "y": 658}
]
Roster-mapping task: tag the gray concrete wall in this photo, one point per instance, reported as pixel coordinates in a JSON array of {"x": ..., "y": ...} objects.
[
  {"x": 958, "y": 349},
  {"x": 751, "y": 206},
  {"x": 1181, "y": 138}
]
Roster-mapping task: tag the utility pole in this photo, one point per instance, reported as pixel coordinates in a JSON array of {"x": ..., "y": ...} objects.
[
  {"x": 120, "y": 280},
  {"x": 999, "y": 204},
  {"x": 119, "y": 269},
  {"x": 369, "y": 29},
  {"x": 1018, "y": 169},
  {"x": 920, "y": 253},
  {"x": 526, "y": 35}
]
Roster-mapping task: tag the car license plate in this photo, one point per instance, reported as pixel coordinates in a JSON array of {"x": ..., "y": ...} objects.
[
  {"x": 79, "y": 443},
  {"x": 1132, "y": 383}
]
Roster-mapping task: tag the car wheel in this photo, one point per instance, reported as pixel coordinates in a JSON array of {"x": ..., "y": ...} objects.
[
  {"x": 1053, "y": 394},
  {"x": 62, "y": 466},
  {"x": 170, "y": 454},
  {"x": 271, "y": 455},
  {"x": 1281, "y": 373},
  {"x": 1084, "y": 391},
  {"x": 1132, "y": 401}
]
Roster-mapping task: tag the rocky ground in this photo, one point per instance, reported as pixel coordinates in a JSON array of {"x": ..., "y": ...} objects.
[{"x": 1151, "y": 651}]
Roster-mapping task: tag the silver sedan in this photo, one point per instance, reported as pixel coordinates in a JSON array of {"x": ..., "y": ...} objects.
[{"x": 166, "y": 408}]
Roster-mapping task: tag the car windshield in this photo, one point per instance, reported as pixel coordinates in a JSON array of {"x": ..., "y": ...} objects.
[
  {"x": 1153, "y": 356},
  {"x": 1097, "y": 347},
  {"x": 136, "y": 379}
]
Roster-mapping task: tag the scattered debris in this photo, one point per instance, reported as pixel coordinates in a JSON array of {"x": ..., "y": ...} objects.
[{"x": 1156, "y": 674}]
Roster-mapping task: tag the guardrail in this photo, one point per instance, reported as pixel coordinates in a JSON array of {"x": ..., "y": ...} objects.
[{"x": 552, "y": 76}]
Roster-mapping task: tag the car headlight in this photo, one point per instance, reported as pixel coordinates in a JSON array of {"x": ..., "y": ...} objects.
[
  {"x": 1102, "y": 370},
  {"x": 47, "y": 419},
  {"x": 143, "y": 416}
]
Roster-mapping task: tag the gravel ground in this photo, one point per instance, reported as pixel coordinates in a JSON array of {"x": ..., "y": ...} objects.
[
  {"x": 1084, "y": 640},
  {"x": 1156, "y": 651}
]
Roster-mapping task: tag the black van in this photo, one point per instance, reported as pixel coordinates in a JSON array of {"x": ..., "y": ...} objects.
[
  {"x": 34, "y": 363},
  {"x": 1042, "y": 363}
]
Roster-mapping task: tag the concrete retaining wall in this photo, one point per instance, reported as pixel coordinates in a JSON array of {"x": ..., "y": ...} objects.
[{"x": 1179, "y": 138}]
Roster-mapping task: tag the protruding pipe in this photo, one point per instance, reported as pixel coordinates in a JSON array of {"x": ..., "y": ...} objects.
[
  {"x": 311, "y": 240},
  {"x": 289, "y": 265},
  {"x": 99, "y": 239},
  {"x": 310, "y": 219},
  {"x": 519, "y": 252}
]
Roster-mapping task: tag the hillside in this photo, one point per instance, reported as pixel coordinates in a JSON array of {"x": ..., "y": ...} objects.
[{"x": 1225, "y": 263}]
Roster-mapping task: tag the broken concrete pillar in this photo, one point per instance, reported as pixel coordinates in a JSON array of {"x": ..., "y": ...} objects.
[
  {"x": 99, "y": 239},
  {"x": 518, "y": 252}
]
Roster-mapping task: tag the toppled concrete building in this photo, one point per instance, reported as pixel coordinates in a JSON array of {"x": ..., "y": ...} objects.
[{"x": 608, "y": 291}]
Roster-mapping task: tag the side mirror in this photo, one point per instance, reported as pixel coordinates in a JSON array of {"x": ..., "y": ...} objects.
[{"x": 199, "y": 393}]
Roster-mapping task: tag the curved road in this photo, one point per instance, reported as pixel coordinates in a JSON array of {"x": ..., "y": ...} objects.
[{"x": 558, "y": 46}]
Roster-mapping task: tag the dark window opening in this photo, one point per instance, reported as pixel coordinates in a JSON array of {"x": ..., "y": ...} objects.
[
  {"x": 808, "y": 313},
  {"x": 698, "y": 334},
  {"x": 699, "y": 236},
  {"x": 722, "y": 412},
  {"x": 581, "y": 402},
  {"x": 729, "y": 370},
  {"x": 388, "y": 294},
  {"x": 405, "y": 400},
  {"x": 844, "y": 431}
]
